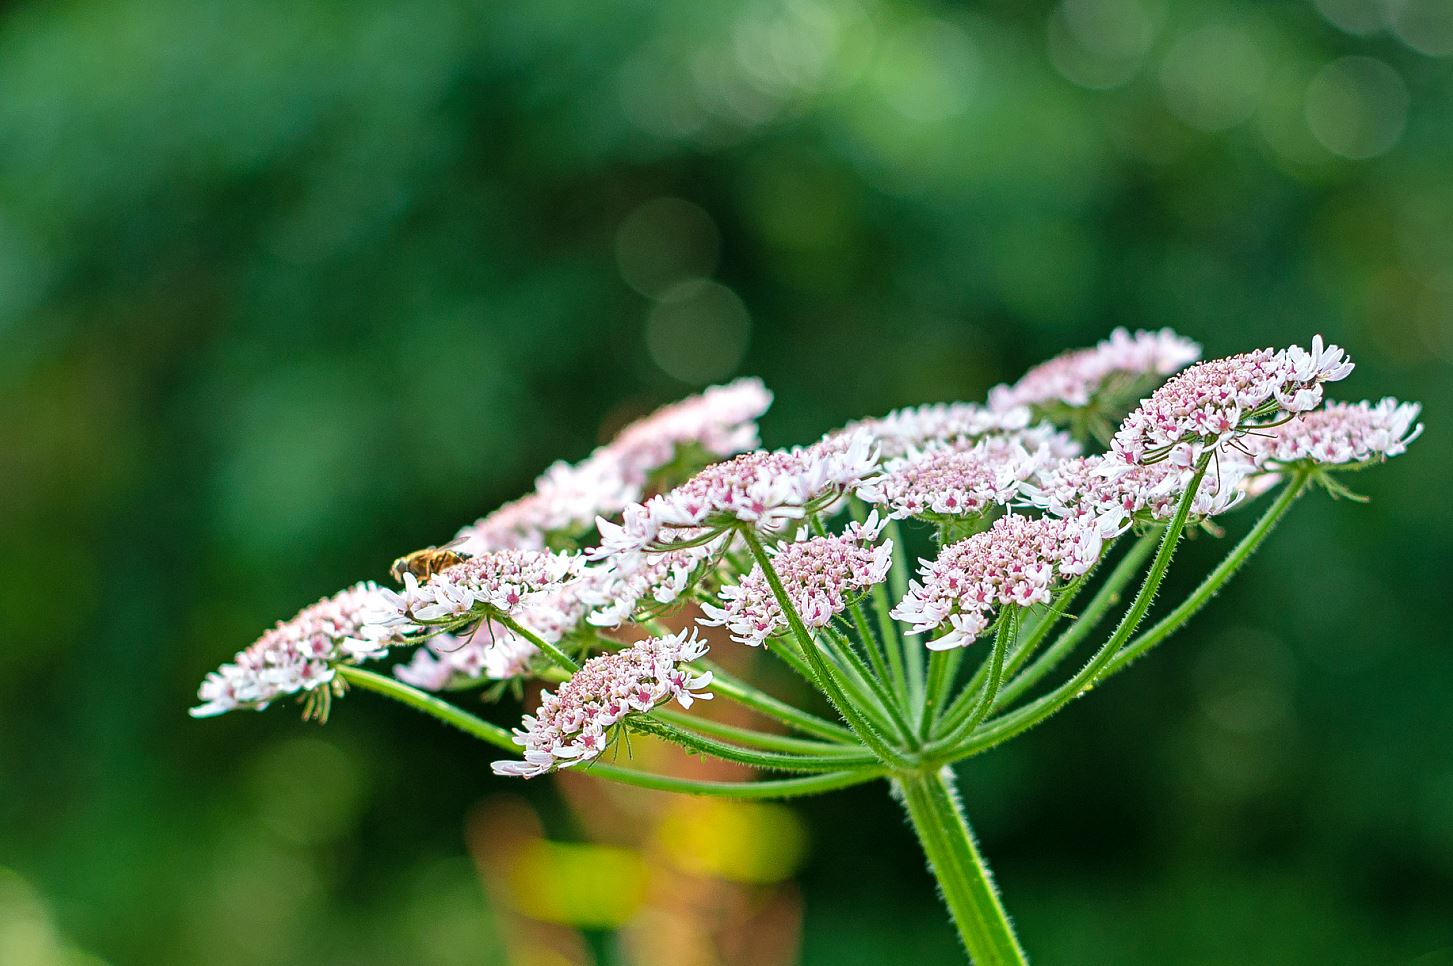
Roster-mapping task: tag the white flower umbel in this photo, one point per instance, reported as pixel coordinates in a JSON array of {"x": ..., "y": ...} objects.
[
  {"x": 569, "y": 496},
  {"x": 1340, "y": 434},
  {"x": 572, "y": 725},
  {"x": 1016, "y": 562},
  {"x": 506, "y": 582},
  {"x": 763, "y": 489},
  {"x": 1114, "y": 366},
  {"x": 944, "y": 482},
  {"x": 820, "y": 575},
  {"x": 296, "y": 655},
  {"x": 1221, "y": 400},
  {"x": 904, "y": 431},
  {"x": 1116, "y": 497}
]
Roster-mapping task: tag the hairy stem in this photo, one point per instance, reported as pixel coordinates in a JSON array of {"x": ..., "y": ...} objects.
[
  {"x": 861, "y": 726},
  {"x": 964, "y": 880},
  {"x": 1209, "y": 587},
  {"x": 729, "y": 686}
]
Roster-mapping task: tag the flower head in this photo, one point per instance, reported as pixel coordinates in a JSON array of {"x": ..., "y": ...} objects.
[
  {"x": 490, "y": 651},
  {"x": 569, "y": 496},
  {"x": 765, "y": 489},
  {"x": 1113, "y": 497},
  {"x": 1213, "y": 402},
  {"x": 1015, "y": 562},
  {"x": 917, "y": 427},
  {"x": 571, "y": 725},
  {"x": 1075, "y": 378},
  {"x": 950, "y": 481},
  {"x": 1341, "y": 433},
  {"x": 508, "y": 582},
  {"x": 819, "y": 574},
  {"x": 296, "y": 655}
]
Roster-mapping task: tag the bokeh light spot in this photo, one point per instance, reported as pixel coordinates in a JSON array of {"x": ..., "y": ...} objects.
[
  {"x": 1100, "y": 44},
  {"x": 928, "y": 70},
  {"x": 1360, "y": 17},
  {"x": 1425, "y": 25},
  {"x": 698, "y": 332},
  {"x": 664, "y": 242},
  {"x": 1213, "y": 78},
  {"x": 1357, "y": 107}
]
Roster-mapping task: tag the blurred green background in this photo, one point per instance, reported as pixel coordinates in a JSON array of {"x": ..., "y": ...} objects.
[{"x": 287, "y": 288}]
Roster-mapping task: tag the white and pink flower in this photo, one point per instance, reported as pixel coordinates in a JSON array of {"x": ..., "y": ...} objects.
[
  {"x": 572, "y": 725},
  {"x": 1016, "y": 562},
  {"x": 296, "y": 655},
  {"x": 819, "y": 574},
  {"x": 1118, "y": 363},
  {"x": 1221, "y": 400}
]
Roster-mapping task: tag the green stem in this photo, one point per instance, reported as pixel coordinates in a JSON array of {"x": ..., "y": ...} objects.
[
  {"x": 435, "y": 707},
  {"x": 891, "y": 641},
  {"x": 1008, "y": 630},
  {"x": 1105, "y": 598},
  {"x": 771, "y": 788},
  {"x": 730, "y": 686},
  {"x": 770, "y": 760},
  {"x": 752, "y": 738},
  {"x": 871, "y": 690},
  {"x": 942, "y": 668},
  {"x": 1209, "y": 587},
  {"x": 864, "y": 730},
  {"x": 898, "y": 582},
  {"x": 963, "y": 877},
  {"x": 549, "y": 650},
  {"x": 495, "y": 735}
]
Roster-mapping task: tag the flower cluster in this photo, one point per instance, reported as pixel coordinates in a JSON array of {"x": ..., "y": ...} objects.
[
  {"x": 1114, "y": 497},
  {"x": 508, "y": 582},
  {"x": 819, "y": 575},
  {"x": 1014, "y": 562},
  {"x": 721, "y": 421},
  {"x": 568, "y": 497},
  {"x": 1341, "y": 433},
  {"x": 1075, "y": 378},
  {"x": 766, "y": 489},
  {"x": 571, "y": 724},
  {"x": 948, "y": 481},
  {"x": 904, "y": 431},
  {"x": 490, "y": 651},
  {"x": 296, "y": 655},
  {"x": 624, "y": 584},
  {"x": 1213, "y": 402}
]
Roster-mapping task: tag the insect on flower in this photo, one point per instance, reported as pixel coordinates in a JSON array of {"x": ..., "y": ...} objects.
[{"x": 425, "y": 563}]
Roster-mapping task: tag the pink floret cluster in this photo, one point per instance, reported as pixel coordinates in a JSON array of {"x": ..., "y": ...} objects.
[
  {"x": 765, "y": 489},
  {"x": 1341, "y": 433},
  {"x": 1221, "y": 400},
  {"x": 819, "y": 574},
  {"x": 571, "y": 725},
  {"x": 1016, "y": 562},
  {"x": 296, "y": 655},
  {"x": 1074, "y": 378}
]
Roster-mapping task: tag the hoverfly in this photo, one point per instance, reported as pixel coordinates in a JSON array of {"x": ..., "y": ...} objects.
[{"x": 425, "y": 563}]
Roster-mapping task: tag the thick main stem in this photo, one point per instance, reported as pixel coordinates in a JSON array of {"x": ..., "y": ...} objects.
[{"x": 964, "y": 880}]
